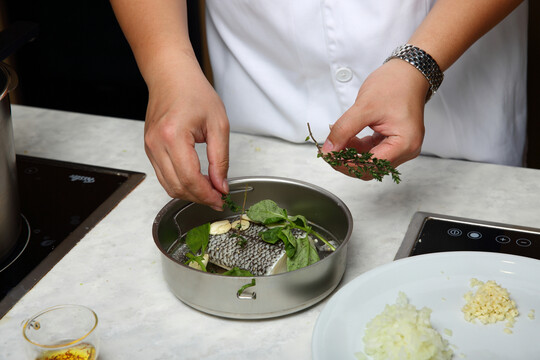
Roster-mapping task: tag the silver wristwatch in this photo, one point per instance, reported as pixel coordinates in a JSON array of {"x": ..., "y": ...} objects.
[{"x": 423, "y": 62}]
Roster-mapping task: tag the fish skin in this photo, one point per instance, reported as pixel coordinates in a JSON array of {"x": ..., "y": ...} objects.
[{"x": 256, "y": 256}]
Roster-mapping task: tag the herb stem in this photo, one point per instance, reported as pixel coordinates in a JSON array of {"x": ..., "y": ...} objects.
[
  {"x": 311, "y": 231},
  {"x": 241, "y": 290}
]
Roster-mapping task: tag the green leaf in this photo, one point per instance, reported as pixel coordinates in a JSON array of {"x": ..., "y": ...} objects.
[
  {"x": 272, "y": 235},
  {"x": 198, "y": 259},
  {"x": 287, "y": 237},
  {"x": 266, "y": 212},
  {"x": 228, "y": 203},
  {"x": 242, "y": 241},
  {"x": 305, "y": 255},
  {"x": 290, "y": 250},
  {"x": 236, "y": 271},
  {"x": 299, "y": 220},
  {"x": 197, "y": 238}
]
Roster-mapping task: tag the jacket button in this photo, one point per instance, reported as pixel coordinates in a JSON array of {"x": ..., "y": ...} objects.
[{"x": 344, "y": 74}]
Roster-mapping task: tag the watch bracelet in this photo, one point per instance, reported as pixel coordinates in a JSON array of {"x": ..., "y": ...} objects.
[{"x": 423, "y": 62}]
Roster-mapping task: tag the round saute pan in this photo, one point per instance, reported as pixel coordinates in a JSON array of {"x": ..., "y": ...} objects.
[{"x": 267, "y": 296}]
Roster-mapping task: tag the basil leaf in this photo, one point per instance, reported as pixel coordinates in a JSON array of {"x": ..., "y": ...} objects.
[
  {"x": 305, "y": 255},
  {"x": 290, "y": 250},
  {"x": 287, "y": 237},
  {"x": 266, "y": 212},
  {"x": 290, "y": 242},
  {"x": 271, "y": 236},
  {"x": 299, "y": 220},
  {"x": 197, "y": 238},
  {"x": 236, "y": 271}
]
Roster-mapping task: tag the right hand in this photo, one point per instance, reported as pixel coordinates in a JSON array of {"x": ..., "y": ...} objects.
[{"x": 183, "y": 109}]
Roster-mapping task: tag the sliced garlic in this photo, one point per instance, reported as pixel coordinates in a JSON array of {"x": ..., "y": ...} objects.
[
  {"x": 220, "y": 227},
  {"x": 240, "y": 225},
  {"x": 195, "y": 265},
  {"x": 246, "y": 217}
]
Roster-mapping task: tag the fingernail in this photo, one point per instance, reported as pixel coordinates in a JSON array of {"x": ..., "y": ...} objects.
[
  {"x": 327, "y": 146},
  {"x": 217, "y": 208},
  {"x": 225, "y": 186},
  {"x": 330, "y": 126}
]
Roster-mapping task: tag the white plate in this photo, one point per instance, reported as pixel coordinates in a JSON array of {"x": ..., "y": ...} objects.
[{"x": 439, "y": 282}]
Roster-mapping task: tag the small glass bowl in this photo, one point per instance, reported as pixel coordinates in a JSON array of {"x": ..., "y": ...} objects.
[{"x": 62, "y": 332}]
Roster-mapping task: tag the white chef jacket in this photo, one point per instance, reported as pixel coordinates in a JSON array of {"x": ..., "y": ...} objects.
[{"x": 282, "y": 63}]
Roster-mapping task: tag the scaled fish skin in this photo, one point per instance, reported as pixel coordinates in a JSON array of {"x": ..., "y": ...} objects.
[{"x": 254, "y": 255}]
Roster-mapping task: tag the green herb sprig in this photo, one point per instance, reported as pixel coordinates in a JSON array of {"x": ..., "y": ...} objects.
[
  {"x": 357, "y": 164},
  {"x": 228, "y": 203}
]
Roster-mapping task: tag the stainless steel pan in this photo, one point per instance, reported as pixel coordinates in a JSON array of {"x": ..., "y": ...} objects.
[{"x": 273, "y": 295}]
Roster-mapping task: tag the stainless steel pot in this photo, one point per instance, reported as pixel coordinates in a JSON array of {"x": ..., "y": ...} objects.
[
  {"x": 10, "y": 218},
  {"x": 273, "y": 295},
  {"x": 16, "y": 35}
]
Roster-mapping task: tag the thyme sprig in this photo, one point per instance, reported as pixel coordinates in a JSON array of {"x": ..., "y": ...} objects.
[
  {"x": 357, "y": 164},
  {"x": 234, "y": 207},
  {"x": 229, "y": 203}
]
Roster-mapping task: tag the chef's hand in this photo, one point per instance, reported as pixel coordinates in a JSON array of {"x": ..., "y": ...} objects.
[
  {"x": 183, "y": 109},
  {"x": 391, "y": 102}
]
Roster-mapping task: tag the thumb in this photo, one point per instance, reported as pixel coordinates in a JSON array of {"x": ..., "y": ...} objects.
[{"x": 344, "y": 129}]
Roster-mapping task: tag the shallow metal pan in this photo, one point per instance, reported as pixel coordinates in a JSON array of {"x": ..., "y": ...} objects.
[{"x": 273, "y": 295}]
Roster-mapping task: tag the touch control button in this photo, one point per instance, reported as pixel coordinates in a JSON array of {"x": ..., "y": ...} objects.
[
  {"x": 502, "y": 239},
  {"x": 454, "y": 232},
  {"x": 474, "y": 235},
  {"x": 523, "y": 242}
]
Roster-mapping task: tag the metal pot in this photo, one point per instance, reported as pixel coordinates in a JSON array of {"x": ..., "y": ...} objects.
[
  {"x": 273, "y": 295},
  {"x": 10, "y": 219}
]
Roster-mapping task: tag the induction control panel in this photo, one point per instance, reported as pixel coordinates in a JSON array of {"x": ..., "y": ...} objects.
[{"x": 430, "y": 233}]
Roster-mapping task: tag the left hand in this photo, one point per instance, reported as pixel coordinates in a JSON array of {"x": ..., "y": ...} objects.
[{"x": 391, "y": 102}]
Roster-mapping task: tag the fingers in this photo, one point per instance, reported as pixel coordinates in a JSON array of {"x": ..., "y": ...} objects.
[
  {"x": 218, "y": 155},
  {"x": 344, "y": 130},
  {"x": 394, "y": 110},
  {"x": 178, "y": 171}
]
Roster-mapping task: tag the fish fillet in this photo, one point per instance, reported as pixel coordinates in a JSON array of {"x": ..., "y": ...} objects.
[{"x": 248, "y": 252}]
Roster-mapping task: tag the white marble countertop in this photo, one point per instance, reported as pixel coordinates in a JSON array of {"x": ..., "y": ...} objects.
[{"x": 116, "y": 269}]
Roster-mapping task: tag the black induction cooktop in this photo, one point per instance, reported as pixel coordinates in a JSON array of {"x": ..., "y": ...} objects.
[
  {"x": 60, "y": 202},
  {"x": 430, "y": 233}
]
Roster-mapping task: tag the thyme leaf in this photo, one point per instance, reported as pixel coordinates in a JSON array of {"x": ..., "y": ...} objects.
[
  {"x": 357, "y": 164},
  {"x": 228, "y": 203}
]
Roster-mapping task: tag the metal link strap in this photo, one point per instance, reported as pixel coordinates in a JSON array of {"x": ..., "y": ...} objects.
[{"x": 422, "y": 61}]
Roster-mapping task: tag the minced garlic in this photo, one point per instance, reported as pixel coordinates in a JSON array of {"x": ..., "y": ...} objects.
[{"x": 491, "y": 303}]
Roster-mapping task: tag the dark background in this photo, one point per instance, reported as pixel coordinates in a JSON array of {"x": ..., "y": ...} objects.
[{"x": 81, "y": 61}]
